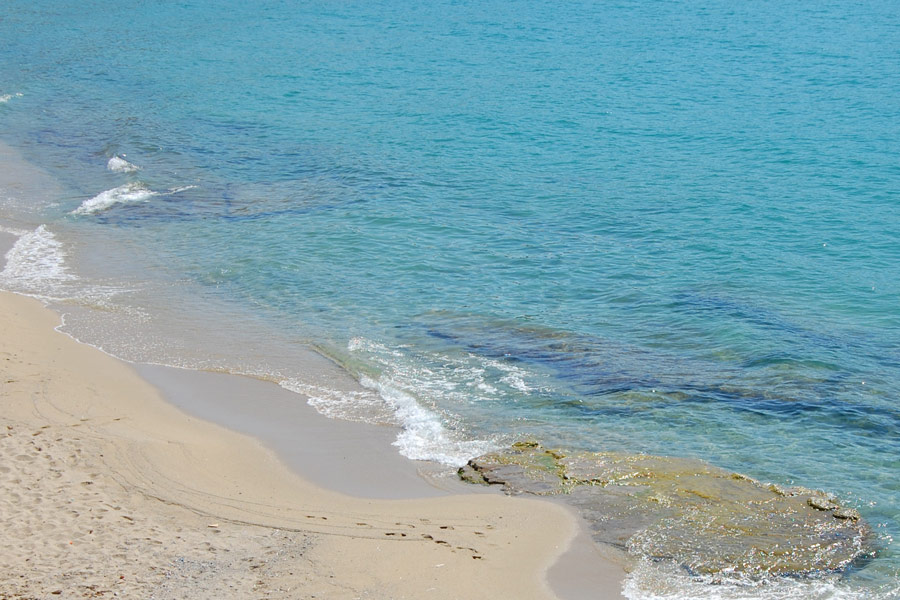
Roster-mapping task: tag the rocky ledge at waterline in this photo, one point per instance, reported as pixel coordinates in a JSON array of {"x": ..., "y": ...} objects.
[{"x": 711, "y": 521}]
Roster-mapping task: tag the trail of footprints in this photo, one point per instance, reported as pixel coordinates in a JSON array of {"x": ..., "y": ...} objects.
[
  {"x": 428, "y": 537},
  {"x": 93, "y": 540}
]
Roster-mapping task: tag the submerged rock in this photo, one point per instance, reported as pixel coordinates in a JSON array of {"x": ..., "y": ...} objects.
[{"x": 709, "y": 520}]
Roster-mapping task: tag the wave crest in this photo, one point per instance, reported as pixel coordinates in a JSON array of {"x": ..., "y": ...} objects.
[
  {"x": 124, "y": 194},
  {"x": 36, "y": 263},
  {"x": 117, "y": 164}
]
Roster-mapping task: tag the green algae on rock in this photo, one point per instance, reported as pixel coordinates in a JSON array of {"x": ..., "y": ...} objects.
[{"x": 707, "y": 519}]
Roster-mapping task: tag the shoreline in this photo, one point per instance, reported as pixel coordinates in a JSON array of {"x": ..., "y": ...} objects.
[{"x": 184, "y": 482}]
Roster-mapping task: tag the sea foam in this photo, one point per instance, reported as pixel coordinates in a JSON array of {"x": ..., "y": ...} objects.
[
  {"x": 124, "y": 194},
  {"x": 423, "y": 435},
  {"x": 7, "y": 97},
  {"x": 36, "y": 263},
  {"x": 118, "y": 164},
  {"x": 661, "y": 581},
  {"x": 406, "y": 380},
  {"x": 364, "y": 405}
]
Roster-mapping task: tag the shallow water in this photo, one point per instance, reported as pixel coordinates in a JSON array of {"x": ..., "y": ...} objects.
[{"x": 633, "y": 227}]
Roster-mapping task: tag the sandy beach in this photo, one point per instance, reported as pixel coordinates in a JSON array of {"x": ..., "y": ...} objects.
[{"x": 111, "y": 490}]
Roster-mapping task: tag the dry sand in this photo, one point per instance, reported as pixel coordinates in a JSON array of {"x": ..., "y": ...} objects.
[{"x": 107, "y": 489}]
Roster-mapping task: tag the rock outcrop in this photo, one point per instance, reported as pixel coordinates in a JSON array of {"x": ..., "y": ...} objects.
[{"x": 709, "y": 520}]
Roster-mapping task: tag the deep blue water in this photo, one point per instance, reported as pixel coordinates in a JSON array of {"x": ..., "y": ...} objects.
[{"x": 658, "y": 227}]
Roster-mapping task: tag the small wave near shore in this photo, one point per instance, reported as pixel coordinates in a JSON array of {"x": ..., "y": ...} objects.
[
  {"x": 118, "y": 164},
  {"x": 124, "y": 194},
  {"x": 130, "y": 193}
]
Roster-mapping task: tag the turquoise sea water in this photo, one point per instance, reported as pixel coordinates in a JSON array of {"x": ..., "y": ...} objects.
[{"x": 658, "y": 227}]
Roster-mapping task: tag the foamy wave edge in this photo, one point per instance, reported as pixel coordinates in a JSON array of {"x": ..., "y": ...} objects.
[
  {"x": 124, "y": 194},
  {"x": 36, "y": 266},
  {"x": 36, "y": 263},
  {"x": 7, "y": 97},
  {"x": 422, "y": 435},
  {"x": 117, "y": 164},
  {"x": 362, "y": 406},
  {"x": 660, "y": 581}
]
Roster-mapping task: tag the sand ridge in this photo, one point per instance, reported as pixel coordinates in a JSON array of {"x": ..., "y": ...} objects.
[{"x": 109, "y": 490}]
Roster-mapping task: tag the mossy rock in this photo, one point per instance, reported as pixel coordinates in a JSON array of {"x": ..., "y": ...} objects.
[{"x": 707, "y": 519}]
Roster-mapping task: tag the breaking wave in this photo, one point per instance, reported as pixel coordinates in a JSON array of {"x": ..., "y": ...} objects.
[
  {"x": 423, "y": 435},
  {"x": 395, "y": 396},
  {"x": 36, "y": 263},
  {"x": 118, "y": 164},
  {"x": 658, "y": 581},
  {"x": 124, "y": 194}
]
